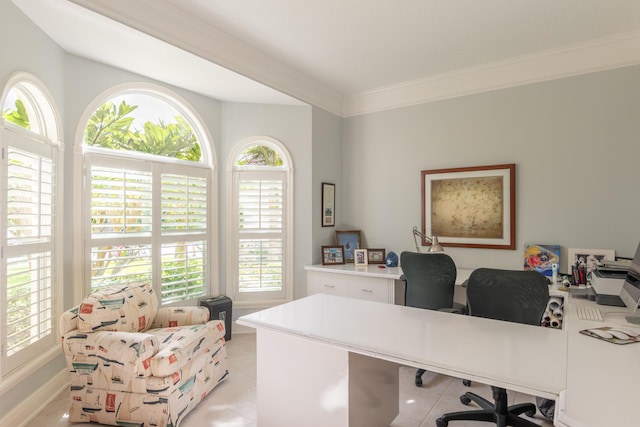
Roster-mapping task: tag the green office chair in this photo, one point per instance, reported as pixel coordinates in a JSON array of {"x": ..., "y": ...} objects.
[
  {"x": 513, "y": 296},
  {"x": 430, "y": 281}
]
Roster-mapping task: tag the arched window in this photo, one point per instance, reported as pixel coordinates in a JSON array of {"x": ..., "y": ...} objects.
[
  {"x": 147, "y": 194},
  {"x": 30, "y": 268},
  {"x": 260, "y": 264}
]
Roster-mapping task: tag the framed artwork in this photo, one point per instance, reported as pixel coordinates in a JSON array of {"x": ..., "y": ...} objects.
[
  {"x": 351, "y": 240},
  {"x": 332, "y": 255},
  {"x": 360, "y": 257},
  {"x": 542, "y": 258},
  {"x": 376, "y": 256},
  {"x": 328, "y": 204},
  {"x": 587, "y": 258},
  {"x": 472, "y": 207}
]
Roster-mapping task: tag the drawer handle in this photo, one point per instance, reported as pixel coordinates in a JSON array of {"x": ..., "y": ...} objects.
[
  {"x": 366, "y": 290},
  {"x": 329, "y": 286}
]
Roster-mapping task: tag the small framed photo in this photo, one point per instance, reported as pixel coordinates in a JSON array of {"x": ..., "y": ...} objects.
[
  {"x": 587, "y": 258},
  {"x": 360, "y": 257},
  {"x": 351, "y": 240},
  {"x": 376, "y": 256},
  {"x": 332, "y": 255}
]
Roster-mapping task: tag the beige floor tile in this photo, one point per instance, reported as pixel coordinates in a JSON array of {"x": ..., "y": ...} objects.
[{"x": 233, "y": 403}]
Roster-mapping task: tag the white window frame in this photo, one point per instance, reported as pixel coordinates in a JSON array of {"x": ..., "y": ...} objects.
[
  {"x": 43, "y": 140},
  {"x": 159, "y": 165},
  {"x": 259, "y": 299}
]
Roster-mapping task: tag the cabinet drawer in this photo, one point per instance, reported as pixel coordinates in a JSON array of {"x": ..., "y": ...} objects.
[
  {"x": 326, "y": 288},
  {"x": 371, "y": 290},
  {"x": 350, "y": 285}
]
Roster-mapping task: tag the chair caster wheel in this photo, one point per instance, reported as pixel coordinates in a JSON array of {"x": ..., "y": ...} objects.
[
  {"x": 466, "y": 383},
  {"x": 418, "y": 382},
  {"x": 530, "y": 413},
  {"x": 464, "y": 399},
  {"x": 441, "y": 423}
]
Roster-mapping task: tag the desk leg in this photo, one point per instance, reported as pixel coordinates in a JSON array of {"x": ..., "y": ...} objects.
[{"x": 305, "y": 383}]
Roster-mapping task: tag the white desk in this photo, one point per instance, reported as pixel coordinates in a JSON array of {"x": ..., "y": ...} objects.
[
  {"x": 332, "y": 361},
  {"x": 369, "y": 282},
  {"x": 603, "y": 379}
]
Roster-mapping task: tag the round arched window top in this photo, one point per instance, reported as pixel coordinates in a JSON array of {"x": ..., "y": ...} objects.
[
  {"x": 27, "y": 104},
  {"x": 146, "y": 121},
  {"x": 260, "y": 152}
]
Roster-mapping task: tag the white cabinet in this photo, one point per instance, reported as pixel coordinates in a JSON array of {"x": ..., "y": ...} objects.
[{"x": 370, "y": 283}]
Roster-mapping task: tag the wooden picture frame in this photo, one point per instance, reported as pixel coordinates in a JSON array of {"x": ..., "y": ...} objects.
[
  {"x": 376, "y": 256},
  {"x": 351, "y": 240},
  {"x": 473, "y": 207},
  {"x": 360, "y": 257},
  {"x": 328, "y": 204},
  {"x": 332, "y": 255}
]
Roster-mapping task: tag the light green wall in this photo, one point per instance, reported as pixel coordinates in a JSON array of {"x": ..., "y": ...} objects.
[
  {"x": 327, "y": 167},
  {"x": 76, "y": 82},
  {"x": 25, "y": 48},
  {"x": 574, "y": 142}
]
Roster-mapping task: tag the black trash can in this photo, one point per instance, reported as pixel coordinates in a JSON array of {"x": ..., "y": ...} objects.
[{"x": 220, "y": 309}]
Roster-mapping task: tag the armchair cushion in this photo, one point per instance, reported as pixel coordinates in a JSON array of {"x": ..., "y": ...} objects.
[
  {"x": 180, "y": 345},
  {"x": 130, "y": 308},
  {"x": 180, "y": 316}
]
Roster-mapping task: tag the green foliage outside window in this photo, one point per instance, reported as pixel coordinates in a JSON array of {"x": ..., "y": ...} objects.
[
  {"x": 259, "y": 155},
  {"x": 18, "y": 116},
  {"x": 111, "y": 127}
]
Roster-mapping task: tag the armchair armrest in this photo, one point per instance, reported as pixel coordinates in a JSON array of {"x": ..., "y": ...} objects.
[
  {"x": 131, "y": 351},
  {"x": 180, "y": 316},
  {"x": 69, "y": 320}
]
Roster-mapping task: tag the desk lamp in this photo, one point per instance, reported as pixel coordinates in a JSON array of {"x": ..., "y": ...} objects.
[{"x": 435, "y": 246}]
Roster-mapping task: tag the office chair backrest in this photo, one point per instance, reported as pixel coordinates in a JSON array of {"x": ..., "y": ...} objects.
[
  {"x": 431, "y": 278},
  {"x": 512, "y": 295}
]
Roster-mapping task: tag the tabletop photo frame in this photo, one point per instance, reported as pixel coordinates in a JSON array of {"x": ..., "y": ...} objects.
[
  {"x": 360, "y": 258},
  {"x": 376, "y": 256},
  {"x": 332, "y": 255},
  {"x": 350, "y": 240}
]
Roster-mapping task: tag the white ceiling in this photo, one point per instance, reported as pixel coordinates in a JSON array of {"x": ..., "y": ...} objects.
[{"x": 348, "y": 56}]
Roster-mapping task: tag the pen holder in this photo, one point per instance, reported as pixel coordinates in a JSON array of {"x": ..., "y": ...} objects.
[{"x": 579, "y": 275}]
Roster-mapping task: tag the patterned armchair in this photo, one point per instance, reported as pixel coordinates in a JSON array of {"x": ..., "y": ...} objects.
[{"x": 133, "y": 364}]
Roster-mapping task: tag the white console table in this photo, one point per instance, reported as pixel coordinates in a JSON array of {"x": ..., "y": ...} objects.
[{"x": 370, "y": 283}]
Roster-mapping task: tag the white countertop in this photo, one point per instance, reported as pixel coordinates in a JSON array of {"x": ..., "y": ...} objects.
[
  {"x": 505, "y": 354},
  {"x": 375, "y": 270}
]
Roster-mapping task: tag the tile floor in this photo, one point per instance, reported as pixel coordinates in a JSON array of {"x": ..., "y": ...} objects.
[{"x": 232, "y": 403}]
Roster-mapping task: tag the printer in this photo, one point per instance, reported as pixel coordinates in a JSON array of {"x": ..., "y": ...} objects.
[{"x": 607, "y": 280}]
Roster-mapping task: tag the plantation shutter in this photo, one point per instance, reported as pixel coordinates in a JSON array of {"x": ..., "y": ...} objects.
[
  {"x": 120, "y": 222},
  {"x": 261, "y": 206},
  {"x": 149, "y": 222},
  {"x": 29, "y": 186},
  {"x": 184, "y": 195}
]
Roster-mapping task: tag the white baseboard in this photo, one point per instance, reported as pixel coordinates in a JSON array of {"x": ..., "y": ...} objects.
[{"x": 28, "y": 409}]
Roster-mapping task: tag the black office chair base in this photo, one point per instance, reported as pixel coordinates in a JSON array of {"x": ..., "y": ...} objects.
[
  {"x": 420, "y": 372},
  {"x": 498, "y": 413}
]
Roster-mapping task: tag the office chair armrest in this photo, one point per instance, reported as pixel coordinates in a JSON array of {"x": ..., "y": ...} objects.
[{"x": 457, "y": 309}]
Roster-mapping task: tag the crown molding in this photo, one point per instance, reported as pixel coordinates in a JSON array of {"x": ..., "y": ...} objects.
[
  {"x": 598, "y": 55},
  {"x": 164, "y": 21}
]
